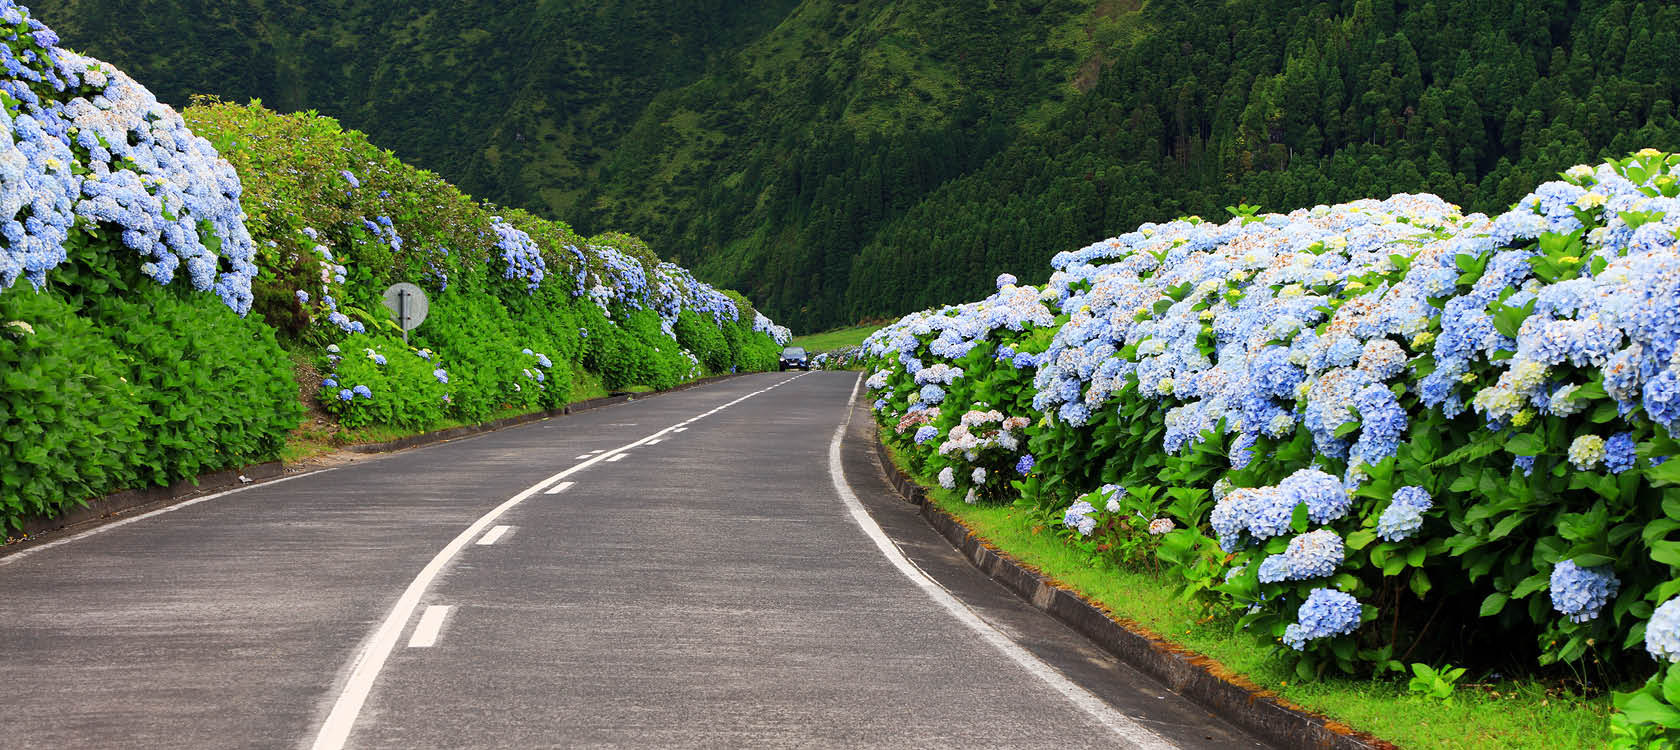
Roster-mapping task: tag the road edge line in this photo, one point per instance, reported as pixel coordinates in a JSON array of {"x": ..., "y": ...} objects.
[
  {"x": 1260, "y": 712},
  {"x": 1128, "y": 730}
]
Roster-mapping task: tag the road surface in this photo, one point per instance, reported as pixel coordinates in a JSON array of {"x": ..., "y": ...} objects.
[{"x": 713, "y": 567}]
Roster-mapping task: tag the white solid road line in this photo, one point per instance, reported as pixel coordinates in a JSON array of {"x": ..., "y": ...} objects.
[
  {"x": 1129, "y": 732},
  {"x": 376, "y": 649},
  {"x": 19, "y": 555},
  {"x": 426, "y": 633},
  {"x": 559, "y": 488},
  {"x": 492, "y": 535}
]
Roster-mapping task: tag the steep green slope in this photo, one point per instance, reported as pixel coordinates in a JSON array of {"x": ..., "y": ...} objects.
[
  {"x": 838, "y": 160},
  {"x": 516, "y": 101}
]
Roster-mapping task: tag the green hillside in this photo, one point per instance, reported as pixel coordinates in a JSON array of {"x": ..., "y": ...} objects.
[{"x": 842, "y": 160}]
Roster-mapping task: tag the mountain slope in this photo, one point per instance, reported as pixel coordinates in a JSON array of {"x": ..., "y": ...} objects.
[{"x": 840, "y": 160}]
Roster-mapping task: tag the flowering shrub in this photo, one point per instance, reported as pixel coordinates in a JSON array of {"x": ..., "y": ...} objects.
[
  {"x": 84, "y": 145},
  {"x": 123, "y": 373},
  {"x": 1354, "y": 408},
  {"x": 118, "y": 371},
  {"x": 980, "y": 453},
  {"x": 499, "y": 284}
]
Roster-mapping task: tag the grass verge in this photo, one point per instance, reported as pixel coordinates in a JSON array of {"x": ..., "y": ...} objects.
[
  {"x": 827, "y": 341},
  {"x": 1492, "y": 713},
  {"x": 319, "y": 435}
]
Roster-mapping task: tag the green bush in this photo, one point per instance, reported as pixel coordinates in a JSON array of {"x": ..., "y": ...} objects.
[
  {"x": 115, "y": 382},
  {"x": 706, "y": 340},
  {"x": 341, "y": 242}
]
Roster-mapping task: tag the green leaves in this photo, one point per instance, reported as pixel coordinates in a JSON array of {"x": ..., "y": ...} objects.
[
  {"x": 1507, "y": 319},
  {"x": 1432, "y": 683}
]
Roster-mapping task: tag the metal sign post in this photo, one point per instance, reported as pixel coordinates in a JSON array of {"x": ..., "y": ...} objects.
[{"x": 408, "y": 303}]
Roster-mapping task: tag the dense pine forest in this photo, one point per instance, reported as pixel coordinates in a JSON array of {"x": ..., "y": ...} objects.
[{"x": 842, "y": 160}]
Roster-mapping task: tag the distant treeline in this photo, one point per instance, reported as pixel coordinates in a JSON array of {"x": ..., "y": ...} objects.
[{"x": 843, "y": 160}]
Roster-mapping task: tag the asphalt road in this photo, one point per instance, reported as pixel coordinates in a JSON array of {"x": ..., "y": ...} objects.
[{"x": 602, "y": 579}]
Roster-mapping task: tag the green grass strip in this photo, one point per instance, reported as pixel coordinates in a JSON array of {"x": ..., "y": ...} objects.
[
  {"x": 827, "y": 341},
  {"x": 1501, "y": 713}
]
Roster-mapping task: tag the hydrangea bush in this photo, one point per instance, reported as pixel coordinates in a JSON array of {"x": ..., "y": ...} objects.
[
  {"x": 1383, "y": 409},
  {"x": 120, "y": 214},
  {"x": 128, "y": 358},
  {"x": 84, "y": 144},
  {"x": 345, "y": 220}
]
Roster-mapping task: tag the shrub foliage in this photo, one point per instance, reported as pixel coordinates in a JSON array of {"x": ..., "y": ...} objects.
[{"x": 1373, "y": 432}]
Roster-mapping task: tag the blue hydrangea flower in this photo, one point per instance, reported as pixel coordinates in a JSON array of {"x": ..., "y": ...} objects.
[
  {"x": 345, "y": 394},
  {"x": 1619, "y": 453},
  {"x": 925, "y": 433},
  {"x": 1080, "y": 516},
  {"x": 1325, "y": 613},
  {"x": 1662, "y": 632},
  {"x": 441, "y": 375},
  {"x": 1273, "y": 569},
  {"x": 1579, "y": 593},
  {"x": 1404, "y": 514},
  {"x": 1524, "y": 464},
  {"x": 1025, "y": 465},
  {"x": 1326, "y": 498},
  {"x": 363, "y": 391},
  {"x": 1314, "y": 554},
  {"x": 521, "y": 258}
]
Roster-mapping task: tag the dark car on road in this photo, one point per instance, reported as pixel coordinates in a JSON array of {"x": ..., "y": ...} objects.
[{"x": 794, "y": 357}]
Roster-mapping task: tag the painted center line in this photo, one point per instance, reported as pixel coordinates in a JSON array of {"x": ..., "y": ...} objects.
[
  {"x": 617, "y": 457},
  {"x": 426, "y": 633},
  {"x": 370, "y": 659},
  {"x": 559, "y": 488},
  {"x": 492, "y": 535}
]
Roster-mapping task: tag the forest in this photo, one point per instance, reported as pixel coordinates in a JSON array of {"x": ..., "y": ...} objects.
[{"x": 839, "y": 161}]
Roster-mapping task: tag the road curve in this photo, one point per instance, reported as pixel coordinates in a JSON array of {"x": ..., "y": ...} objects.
[{"x": 691, "y": 570}]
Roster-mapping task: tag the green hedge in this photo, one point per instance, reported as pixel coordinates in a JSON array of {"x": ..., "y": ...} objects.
[{"x": 112, "y": 382}]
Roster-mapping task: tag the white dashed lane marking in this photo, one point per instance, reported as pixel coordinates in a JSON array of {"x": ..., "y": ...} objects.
[
  {"x": 492, "y": 535},
  {"x": 431, "y": 623},
  {"x": 371, "y": 657},
  {"x": 617, "y": 457},
  {"x": 559, "y": 488}
]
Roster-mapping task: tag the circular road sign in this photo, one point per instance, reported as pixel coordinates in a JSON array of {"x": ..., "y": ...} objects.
[{"x": 407, "y": 304}]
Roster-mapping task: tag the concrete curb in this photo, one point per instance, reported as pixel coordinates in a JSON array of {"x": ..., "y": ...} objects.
[
  {"x": 102, "y": 508},
  {"x": 118, "y": 502},
  {"x": 1189, "y": 674}
]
